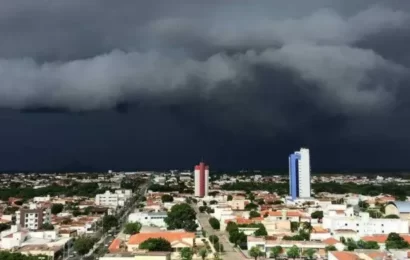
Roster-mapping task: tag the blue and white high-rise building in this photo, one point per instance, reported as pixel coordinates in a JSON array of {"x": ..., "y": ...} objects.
[{"x": 299, "y": 174}]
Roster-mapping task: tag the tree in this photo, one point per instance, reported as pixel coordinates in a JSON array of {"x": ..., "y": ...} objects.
[
  {"x": 307, "y": 226},
  {"x": 57, "y": 208},
  {"x": 202, "y": 209},
  {"x": 230, "y": 197},
  {"x": 84, "y": 244},
  {"x": 363, "y": 204},
  {"x": 186, "y": 253},
  {"x": 203, "y": 253},
  {"x": 156, "y": 244},
  {"x": 47, "y": 226},
  {"x": 231, "y": 226},
  {"x": 181, "y": 216},
  {"x": 293, "y": 252},
  {"x": 275, "y": 251},
  {"x": 251, "y": 206},
  {"x": 219, "y": 247},
  {"x": 213, "y": 202},
  {"x": 391, "y": 216},
  {"x": 330, "y": 248},
  {"x": 214, "y": 239},
  {"x": 294, "y": 226},
  {"x": 132, "y": 228},
  {"x": 317, "y": 214},
  {"x": 109, "y": 221},
  {"x": 309, "y": 253},
  {"x": 214, "y": 223},
  {"x": 395, "y": 241},
  {"x": 261, "y": 231},
  {"x": 375, "y": 213},
  {"x": 254, "y": 214},
  {"x": 255, "y": 252},
  {"x": 4, "y": 227},
  {"x": 167, "y": 198}
]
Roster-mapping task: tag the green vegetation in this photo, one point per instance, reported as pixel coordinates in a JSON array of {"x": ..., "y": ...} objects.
[
  {"x": 167, "y": 198},
  {"x": 181, "y": 216},
  {"x": 131, "y": 184},
  {"x": 84, "y": 244},
  {"x": 48, "y": 226},
  {"x": 330, "y": 248},
  {"x": 109, "y": 221},
  {"x": 395, "y": 241},
  {"x": 254, "y": 214},
  {"x": 181, "y": 188},
  {"x": 251, "y": 206},
  {"x": 261, "y": 231},
  {"x": 4, "y": 227},
  {"x": 317, "y": 214},
  {"x": 75, "y": 189},
  {"x": 186, "y": 253},
  {"x": 391, "y": 216},
  {"x": 156, "y": 244},
  {"x": 132, "y": 228},
  {"x": 203, "y": 253},
  {"x": 275, "y": 251},
  {"x": 352, "y": 245},
  {"x": 215, "y": 241},
  {"x": 293, "y": 252},
  {"x": 4, "y": 255},
  {"x": 309, "y": 253},
  {"x": 57, "y": 208},
  {"x": 255, "y": 252},
  {"x": 236, "y": 237},
  {"x": 214, "y": 223},
  {"x": 230, "y": 198},
  {"x": 399, "y": 191}
]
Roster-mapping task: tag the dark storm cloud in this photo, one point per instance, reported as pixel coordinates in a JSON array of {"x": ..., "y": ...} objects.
[{"x": 245, "y": 63}]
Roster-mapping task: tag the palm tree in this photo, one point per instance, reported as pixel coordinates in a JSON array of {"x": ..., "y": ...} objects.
[
  {"x": 203, "y": 253},
  {"x": 293, "y": 252},
  {"x": 275, "y": 251},
  {"x": 255, "y": 252},
  {"x": 307, "y": 226}
]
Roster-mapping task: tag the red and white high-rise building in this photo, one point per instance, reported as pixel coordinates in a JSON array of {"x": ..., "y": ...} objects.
[{"x": 201, "y": 177}]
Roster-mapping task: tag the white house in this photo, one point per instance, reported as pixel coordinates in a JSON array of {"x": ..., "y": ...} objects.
[
  {"x": 156, "y": 219},
  {"x": 364, "y": 225}
]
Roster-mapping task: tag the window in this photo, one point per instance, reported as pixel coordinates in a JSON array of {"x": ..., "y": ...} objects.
[{"x": 346, "y": 224}]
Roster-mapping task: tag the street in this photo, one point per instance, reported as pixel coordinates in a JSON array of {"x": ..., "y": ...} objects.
[
  {"x": 106, "y": 238},
  {"x": 230, "y": 252}
]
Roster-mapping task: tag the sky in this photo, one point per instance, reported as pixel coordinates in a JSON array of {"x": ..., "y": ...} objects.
[{"x": 159, "y": 84}]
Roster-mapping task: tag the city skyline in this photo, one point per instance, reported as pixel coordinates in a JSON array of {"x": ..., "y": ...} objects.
[{"x": 143, "y": 83}]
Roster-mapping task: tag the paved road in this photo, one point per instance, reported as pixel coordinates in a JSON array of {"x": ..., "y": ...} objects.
[{"x": 230, "y": 252}]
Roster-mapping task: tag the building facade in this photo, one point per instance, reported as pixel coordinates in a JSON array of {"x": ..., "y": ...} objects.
[
  {"x": 201, "y": 180},
  {"x": 34, "y": 217},
  {"x": 156, "y": 219},
  {"x": 299, "y": 174},
  {"x": 113, "y": 200}
]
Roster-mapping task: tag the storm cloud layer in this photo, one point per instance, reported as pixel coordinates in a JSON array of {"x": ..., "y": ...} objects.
[{"x": 265, "y": 68}]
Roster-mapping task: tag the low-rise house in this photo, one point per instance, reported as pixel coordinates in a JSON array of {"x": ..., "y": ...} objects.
[
  {"x": 178, "y": 239},
  {"x": 364, "y": 225},
  {"x": 266, "y": 244},
  {"x": 156, "y": 219}
]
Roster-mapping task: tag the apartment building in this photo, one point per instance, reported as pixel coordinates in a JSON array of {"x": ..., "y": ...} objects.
[
  {"x": 364, "y": 225},
  {"x": 33, "y": 217},
  {"x": 116, "y": 199}
]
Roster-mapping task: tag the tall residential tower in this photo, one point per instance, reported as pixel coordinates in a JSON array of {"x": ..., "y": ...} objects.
[
  {"x": 299, "y": 174},
  {"x": 201, "y": 177}
]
